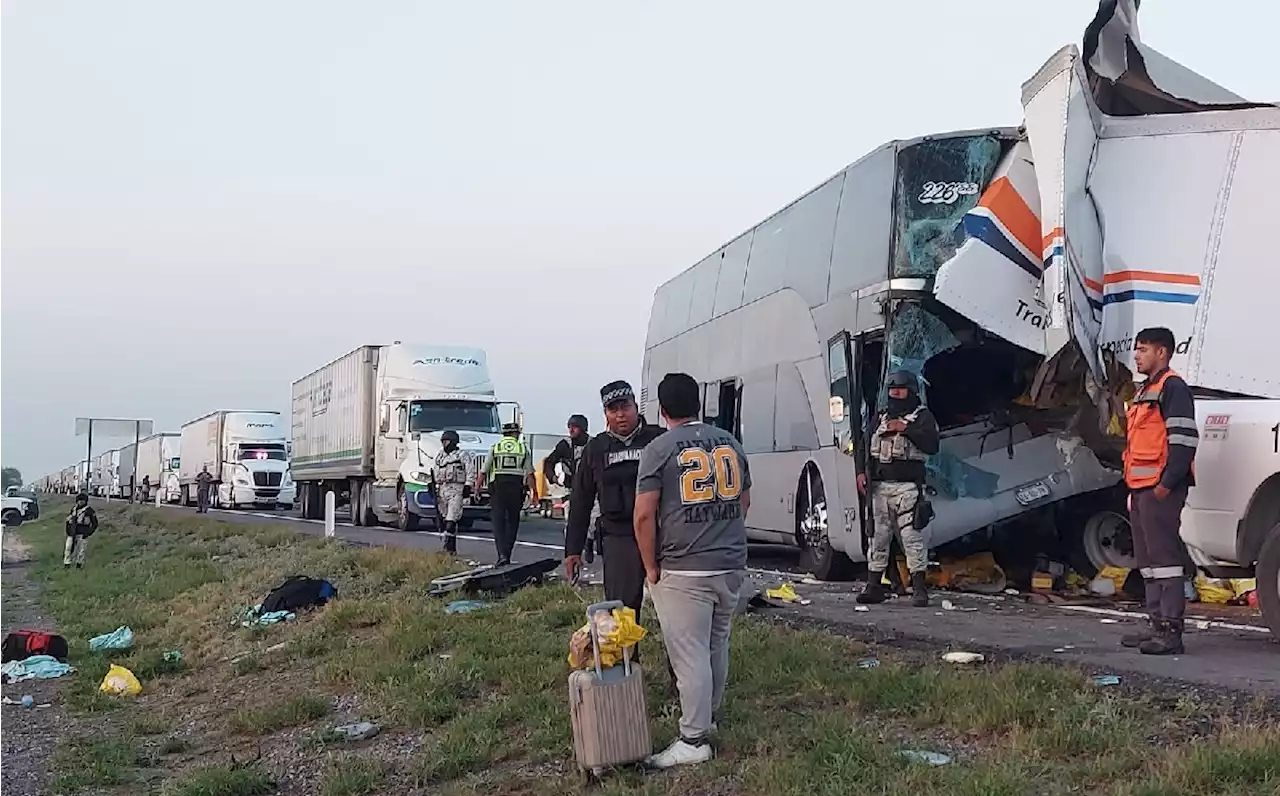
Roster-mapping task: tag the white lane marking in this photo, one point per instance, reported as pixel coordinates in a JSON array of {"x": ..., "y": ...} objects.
[{"x": 1202, "y": 624}]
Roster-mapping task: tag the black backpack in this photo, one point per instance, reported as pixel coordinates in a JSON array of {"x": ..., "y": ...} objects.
[{"x": 298, "y": 592}]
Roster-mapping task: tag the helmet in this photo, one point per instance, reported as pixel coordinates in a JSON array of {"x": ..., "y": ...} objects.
[
  {"x": 449, "y": 436},
  {"x": 578, "y": 420},
  {"x": 901, "y": 378}
]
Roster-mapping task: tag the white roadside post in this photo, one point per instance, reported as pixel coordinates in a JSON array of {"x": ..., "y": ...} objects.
[
  {"x": 157, "y": 498},
  {"x": 330, "y": 513}
]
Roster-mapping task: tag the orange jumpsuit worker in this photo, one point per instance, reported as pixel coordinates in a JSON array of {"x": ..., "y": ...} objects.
[{"x": 1159, "y": 468}]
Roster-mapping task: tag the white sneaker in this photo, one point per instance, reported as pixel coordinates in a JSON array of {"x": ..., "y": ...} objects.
[{"x": 680, "y": 754}]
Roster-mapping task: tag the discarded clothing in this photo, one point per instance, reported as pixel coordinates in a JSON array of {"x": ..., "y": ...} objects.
[
  {"x": 255, "y": 616},
  {"x": 465, "y": 606},
  {"x": 298, "y": 592},
  {"x": 119, "y": 639},
  {"x": 24, "y": 643},
  {"x": 37, "y": 667}
]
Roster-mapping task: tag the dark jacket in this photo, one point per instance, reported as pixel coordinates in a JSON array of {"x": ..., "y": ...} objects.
[
  {"x": 87, "y": 527},
  {"x": 564, "y": 453},
  {"x": 607, "y": 471},
  {"x": 1178, "y": 408},
  {"x": 923, "y": 432}
]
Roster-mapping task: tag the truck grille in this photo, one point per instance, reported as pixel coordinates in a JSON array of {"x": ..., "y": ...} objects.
[{"x": 267, "y": 479}]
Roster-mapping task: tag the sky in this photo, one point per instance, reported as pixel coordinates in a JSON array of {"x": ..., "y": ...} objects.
[{"x": 203, "y": 202}]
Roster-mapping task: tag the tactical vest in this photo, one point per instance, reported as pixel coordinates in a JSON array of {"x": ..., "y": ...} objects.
[
  {"x": 887, "y": 448},
  {"x": 508, "y": 457},
  {"x": 450, "y": 468}
]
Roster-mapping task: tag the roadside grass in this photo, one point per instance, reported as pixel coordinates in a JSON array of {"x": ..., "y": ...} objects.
[{"x": 482, "y": 696}]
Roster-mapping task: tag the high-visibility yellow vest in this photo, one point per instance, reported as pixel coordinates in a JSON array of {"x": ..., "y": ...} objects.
[{"x": 507, "y": 457}]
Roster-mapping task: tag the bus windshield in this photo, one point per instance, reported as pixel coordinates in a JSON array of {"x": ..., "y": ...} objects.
[{"x": 455, "y": 415}]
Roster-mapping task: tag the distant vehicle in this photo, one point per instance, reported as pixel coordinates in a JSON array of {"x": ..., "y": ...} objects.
[
  {"x": 244, "y": 451},
  {"x": 158, "y": 464},
  {"x": 31, "y": 511},
  {"x": 14, "y": 510},
  {"x": 367, "y": 427}
]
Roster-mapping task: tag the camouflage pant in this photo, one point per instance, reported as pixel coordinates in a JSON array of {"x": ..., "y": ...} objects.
[
  {"x": 449, "y": 501},
  {"x": 892, "y": 506}
]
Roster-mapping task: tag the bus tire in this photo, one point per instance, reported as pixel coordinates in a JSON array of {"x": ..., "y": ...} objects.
[
  {"x": 813, "y": 530},
  {"x": 1268, "y": 577}
]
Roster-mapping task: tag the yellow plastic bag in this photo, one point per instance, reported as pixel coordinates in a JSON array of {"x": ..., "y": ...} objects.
[
  {"x": 617, "y": 630},
  {"x": 1214, "y": 590},
  {"x": 1117, "y": 575},
  {"x": 786, "y": 592},
  {"x": 120, "y": 682}
]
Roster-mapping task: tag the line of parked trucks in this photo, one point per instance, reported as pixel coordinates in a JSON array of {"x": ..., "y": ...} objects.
[{"x": 366, "y": 426}]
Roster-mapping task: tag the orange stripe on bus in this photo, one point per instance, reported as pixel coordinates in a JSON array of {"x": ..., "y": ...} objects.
[{"x": 1150, "y": 276}]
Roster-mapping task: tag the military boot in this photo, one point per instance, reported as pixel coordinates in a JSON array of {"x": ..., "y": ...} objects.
[
  {"x": 451, "y": 538},
  {"x": 873, "y": 594},
  {"x": 1137, "y": 638},
  {"x": 1166, "y": 641},
  {"x": 919, "y": 590}
]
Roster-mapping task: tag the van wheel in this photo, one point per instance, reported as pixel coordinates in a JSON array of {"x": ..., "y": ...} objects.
[
  {"x": 405, "y": 519},
  {"x": 813, "y": 531},
  {"x": 1268, "y": 576},
  {"x": 1106, "y": 540}
]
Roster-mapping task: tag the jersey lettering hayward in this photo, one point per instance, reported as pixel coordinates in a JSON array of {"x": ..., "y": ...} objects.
[{"x": 702, "y": 474}]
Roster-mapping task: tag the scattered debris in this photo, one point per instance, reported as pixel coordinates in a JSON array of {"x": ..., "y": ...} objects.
[
  {"x": 465, "y": 606},
  {"x": 1104, "y": 680},
  {"x": 275, "y": 647},
  {"x": 37, "y": 667},
  {"x": 978, "y": 573},
  {"x": 931, "y": 758},
  {"x": 861, "y": 608},
  {"x": 1110, "y": 621},
  {"x": 786, "y": 592},
  {"x": 1224, "y": 591},
  {"x": 174, "y": 656},
  {"x": 869, "y": 663},
  {"x": 963, "y": 657},
  {"x": 615, "y": 630},
  {"x": 27, "y": 701},
  {"x": 119, "y": 639},
  {"x": 119, "y": 681},
  {"x": 494, "y": 579},
  {"x": 360, "y": 731},
  {"x": 255, "y": 616},
  {"x": 947, "y": 605}
]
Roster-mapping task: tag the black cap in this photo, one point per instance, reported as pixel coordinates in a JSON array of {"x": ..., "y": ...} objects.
[
  {"x": 578, "y": 420},
  {"x": 616, "y": 391}
]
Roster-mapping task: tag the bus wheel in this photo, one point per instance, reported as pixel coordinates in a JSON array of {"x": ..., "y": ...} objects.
[
  {"x": 1268, "y": 576},
  {"x": 813, "y": 530}
]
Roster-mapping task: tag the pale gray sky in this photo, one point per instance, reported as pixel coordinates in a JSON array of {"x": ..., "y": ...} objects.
[{"x": 205, "y": 201}]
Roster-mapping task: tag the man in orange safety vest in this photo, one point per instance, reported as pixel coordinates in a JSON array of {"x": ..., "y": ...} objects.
[{"x": 1159, "y": 468}]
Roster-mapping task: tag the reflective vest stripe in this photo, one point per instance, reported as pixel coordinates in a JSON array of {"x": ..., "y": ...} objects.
[{"x": 1147, "y": 451}]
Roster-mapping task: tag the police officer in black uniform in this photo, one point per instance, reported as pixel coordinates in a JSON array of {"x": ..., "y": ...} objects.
[{"x": 607, "y": 470}]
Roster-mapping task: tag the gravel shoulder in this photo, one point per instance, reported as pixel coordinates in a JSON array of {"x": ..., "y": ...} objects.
[{"x": 29, "y": 736}]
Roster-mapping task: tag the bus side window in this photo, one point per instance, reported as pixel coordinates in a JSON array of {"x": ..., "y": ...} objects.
[{"x": 721, "y": 406}]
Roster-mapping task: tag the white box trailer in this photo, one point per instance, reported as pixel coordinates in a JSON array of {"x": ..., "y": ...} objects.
[
  {"x": 244, "y": 451},
  {"x": 367, "y": 427},
  {"x": 125, "y": 470},
  {"x": 158, "y": 462}
]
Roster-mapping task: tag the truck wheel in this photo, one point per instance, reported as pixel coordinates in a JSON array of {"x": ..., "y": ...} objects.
[
  {"x": 357, "y": 507},
  {"x": 406, "y": 520},
  {"x": 813, "y": 530},
  {"x": 1268, "y": 575},
  {"x": 1106, "y": 540},
  {"x": 11, "y": 518}
]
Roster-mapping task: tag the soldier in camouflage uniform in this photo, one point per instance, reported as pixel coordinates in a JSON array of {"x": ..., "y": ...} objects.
[
  {"x": 906, "y": 436},
  {"x": 449, "y": 474}
]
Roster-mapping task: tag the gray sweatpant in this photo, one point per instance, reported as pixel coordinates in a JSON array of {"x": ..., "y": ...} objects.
[{"x": 696, "y": 613}]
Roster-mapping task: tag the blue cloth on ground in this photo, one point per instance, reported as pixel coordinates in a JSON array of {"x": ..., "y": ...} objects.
[
  {"x": 119, "y": 639},
  {"x": 37, "y": 667},
  {"x": 269, "y": 618}
]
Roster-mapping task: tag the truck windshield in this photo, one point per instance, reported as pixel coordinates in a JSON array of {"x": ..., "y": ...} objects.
[{"x": 456, "y": 415}]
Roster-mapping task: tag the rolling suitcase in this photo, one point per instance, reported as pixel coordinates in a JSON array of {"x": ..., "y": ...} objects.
[{"x": 607, "y": 709}]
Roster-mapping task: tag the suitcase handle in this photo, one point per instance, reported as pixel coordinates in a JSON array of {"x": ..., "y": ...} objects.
[{"x": 592, "y": 610}]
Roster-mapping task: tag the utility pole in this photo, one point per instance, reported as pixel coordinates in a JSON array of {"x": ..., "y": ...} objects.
[{"x": 109, "y": 427}]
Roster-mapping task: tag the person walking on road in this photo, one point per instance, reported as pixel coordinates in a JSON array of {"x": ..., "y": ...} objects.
[
  {"x": 449, "y": 478},
  {"x": 906, "y": 436},
  {"x": 692, "y": 495},
  {"x": 82, "y": 522},
  {"x": 1159, "y": 469},
  {"x": 204, "y": 485},
  {"x": 607, "y": 471},
  {"x": 509, "y": 473}
]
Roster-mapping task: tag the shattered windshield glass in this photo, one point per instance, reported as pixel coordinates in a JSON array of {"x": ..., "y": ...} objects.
[{"x": 937, "y": 183}]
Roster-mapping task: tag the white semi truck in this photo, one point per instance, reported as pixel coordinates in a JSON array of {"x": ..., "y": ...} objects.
[
  {"x": 244, "y": 451},
  {"x": 158, "y": 462},
  {"x": 367, "y": 427}
]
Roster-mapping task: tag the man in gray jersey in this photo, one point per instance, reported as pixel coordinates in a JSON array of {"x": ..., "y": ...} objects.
[{"x": 692, "y": 494}]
